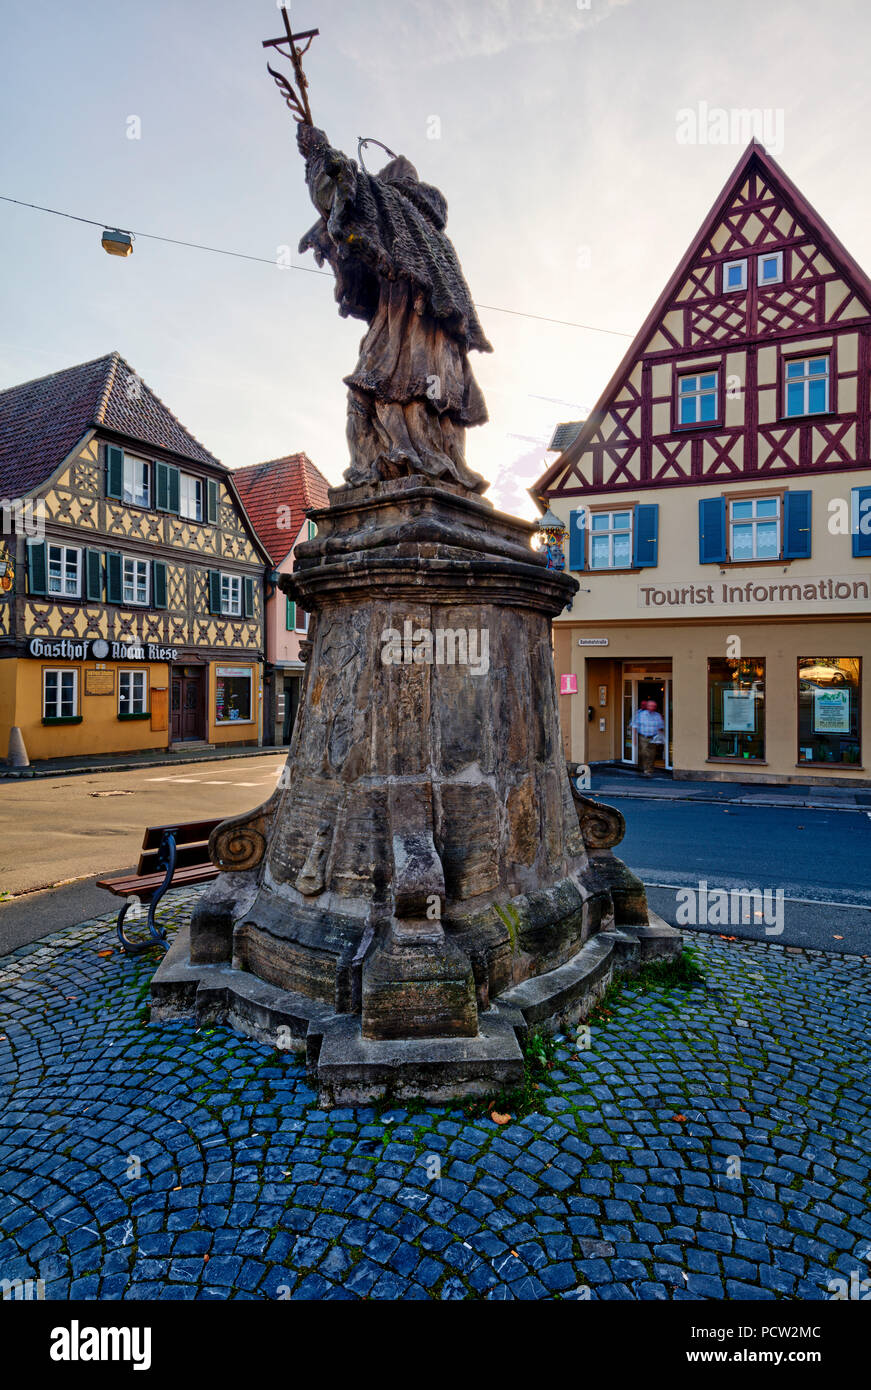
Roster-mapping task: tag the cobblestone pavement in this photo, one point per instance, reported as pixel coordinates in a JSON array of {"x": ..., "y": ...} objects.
[{"x": 624, "y": 1188}]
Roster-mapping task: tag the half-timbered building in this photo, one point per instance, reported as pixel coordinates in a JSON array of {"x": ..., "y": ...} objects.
[
  {"x": 717, "y": 503},
  {"x": 131, "y": 592}
]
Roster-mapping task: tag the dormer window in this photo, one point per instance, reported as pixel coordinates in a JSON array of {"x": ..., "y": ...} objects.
[
  {"x": 769, "y": 269},
  {"x": 734, "y": 276},
  {"x": 137, "y": 481},
  {"x": 190, "y": 494}
]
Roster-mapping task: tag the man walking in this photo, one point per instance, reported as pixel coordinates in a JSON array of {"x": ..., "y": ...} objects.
[{"x": 649, "y": 723}]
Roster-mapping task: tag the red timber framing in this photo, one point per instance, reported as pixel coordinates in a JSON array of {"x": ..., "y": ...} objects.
[{"x": 632, "y": 438}]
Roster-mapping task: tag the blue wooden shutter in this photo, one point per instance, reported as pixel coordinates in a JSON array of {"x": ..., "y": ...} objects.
[
  {"x": 211, "y": 502},
  {"x": 37, "y": 568},
  {"x": 712, "y": 530},
  {"x": 114, "y": 471},
  {"x": 158, "y": 570},
  {"x": 577, "y": 540},
  {"x": 113, "y": 577},
  {"x": 646, "y": 545},
  {"x": 94, "y": 575},
  {"x": 214, "y": 591},
  {"x": 797, "y": 525},
  {"x": 860, "y": 521},
  {"x": 290, "y": 615},
  {"x": 247, "y": 597}
]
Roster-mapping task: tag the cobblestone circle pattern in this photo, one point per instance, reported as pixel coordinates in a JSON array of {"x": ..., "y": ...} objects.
[{"x": 142, "y": 1161}]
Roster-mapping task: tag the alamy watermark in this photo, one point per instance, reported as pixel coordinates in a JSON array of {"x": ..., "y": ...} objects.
[
  {"x": 730, "y": 907},
  {"x": 443, "y": 646},
  {"x": 22, "y": 516},
  {"x": 733, "y": 125}
]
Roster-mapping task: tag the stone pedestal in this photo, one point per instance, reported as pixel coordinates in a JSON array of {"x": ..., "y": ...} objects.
[{"x": 424, "y": 854}]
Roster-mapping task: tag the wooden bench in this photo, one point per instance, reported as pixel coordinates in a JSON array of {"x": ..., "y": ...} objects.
[{"x": 172, "y": 856}]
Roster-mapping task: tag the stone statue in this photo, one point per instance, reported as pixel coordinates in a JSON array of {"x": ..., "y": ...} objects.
[{"x": 412, "y": 393}]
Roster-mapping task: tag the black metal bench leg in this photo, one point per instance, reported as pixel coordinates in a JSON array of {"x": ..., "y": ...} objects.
[
  {"x": 156, "y": 934},
  {"x": 132, "y": 948}
]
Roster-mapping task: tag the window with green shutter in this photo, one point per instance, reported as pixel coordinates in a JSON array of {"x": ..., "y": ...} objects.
[
  {"x": 114, "y": 591},
  {"x": 290, "y": 616},
  {"x": 159, "y": 583},
  {"x": 211, "y": 501},
  {"x": 214, "y": 591},
  {"x": 248, "y": 597},
  {"x": 167, "y": 492},
  {"x": 94, "y": 575},
  {"x": 312, "y": 530},
  {"x": 37, "y": 568},
  {"x": 114, "y": 472}
]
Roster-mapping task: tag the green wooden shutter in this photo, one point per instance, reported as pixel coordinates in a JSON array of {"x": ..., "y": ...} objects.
[
  {"x": 290, "y": 616},
  {"x": 248, "y": 597},
  {"x": 158, "y": 575},
  {"x": 214, "y": 591},
  {"x": 37, "y": 567},
  {"x": 174, "y": 490},
  {"x": 312, "y": 530},
  {"x": 211, "y": 501},
  {"x": 94, "y": 575},
  {"x": 114, "y": 471},
  {"x": 113, "y": 577},
  {"x": 161, "y": 487}
]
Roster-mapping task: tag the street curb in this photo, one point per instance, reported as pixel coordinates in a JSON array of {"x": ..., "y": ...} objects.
[
  {"x": 779, "y": 802},
  {"x": 22, "y": 774}
]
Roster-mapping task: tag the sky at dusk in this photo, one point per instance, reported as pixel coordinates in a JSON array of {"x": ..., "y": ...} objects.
[{"x": 557, "y": 131}]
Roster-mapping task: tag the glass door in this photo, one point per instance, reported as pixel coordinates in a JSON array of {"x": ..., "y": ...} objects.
[{"x": 637, "y": 689}]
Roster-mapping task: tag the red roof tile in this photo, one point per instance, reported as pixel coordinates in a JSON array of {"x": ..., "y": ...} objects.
[
  {"x": 265, "y": 488},
  {"x": 42, "y": 420}
]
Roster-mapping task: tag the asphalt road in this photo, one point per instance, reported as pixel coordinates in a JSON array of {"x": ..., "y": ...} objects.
[
  {"x": 62, "y": 833},
  {"x": 819, "y": 860},
  {"x": 58, "y": 835}
]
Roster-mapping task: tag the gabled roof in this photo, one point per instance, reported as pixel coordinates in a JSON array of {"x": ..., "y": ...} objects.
[
  {"x": 41, "y": 421},
  {"x": 755, "y": 156},
  {"x": 292, "y": 481}
]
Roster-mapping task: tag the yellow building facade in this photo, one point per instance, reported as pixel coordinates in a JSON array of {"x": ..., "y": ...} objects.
[{"x": 717, "y": 510}]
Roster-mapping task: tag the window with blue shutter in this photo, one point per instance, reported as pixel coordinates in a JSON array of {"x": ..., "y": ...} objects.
[
  {"x": 211, "y": 501},
  {"x": 712, "y": 530},
  {"x": 214, "y": 591},
  {"x": 646, "y": 535},
  {"x": 94, "y": 575},
  {"x": 158, "y": 579},
  {"x": 577, "y": 540},
  {"x": 860, "y": 521},
  {"x": 114, "y": 472},
  {"x": 37, "y": 568},
  {"x": 797, "y": 525},
  {"x": 113, "y": 578}
]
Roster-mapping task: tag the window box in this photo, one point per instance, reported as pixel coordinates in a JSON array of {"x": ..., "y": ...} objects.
[
  {"x": 62, "y": 719},
  {"x": 140, "y": 714}
]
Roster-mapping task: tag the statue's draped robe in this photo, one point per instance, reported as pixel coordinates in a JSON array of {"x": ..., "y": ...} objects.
[{"x": 412, "y": 393}]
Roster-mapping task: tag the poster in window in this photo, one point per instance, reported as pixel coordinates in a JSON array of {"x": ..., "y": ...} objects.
[
  {"x": 232, "y": 695},
  {"x": 831, "y": 711},
  {"x": 739, "y": 711}
]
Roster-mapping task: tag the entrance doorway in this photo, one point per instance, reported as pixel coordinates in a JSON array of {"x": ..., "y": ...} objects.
[
  {"x": 640, "y": 685},
  {"x": 188, "y": 704},
  {"x": 291, "y": 705}
]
